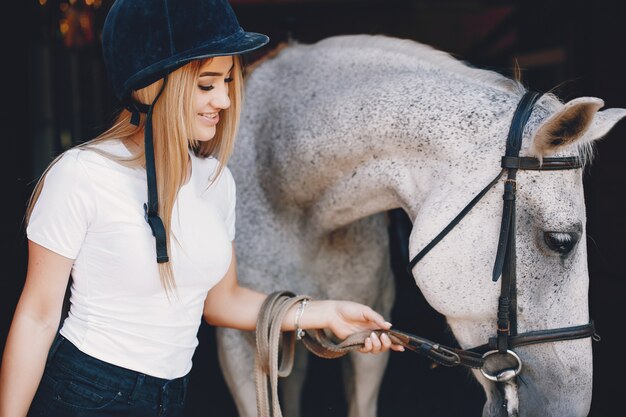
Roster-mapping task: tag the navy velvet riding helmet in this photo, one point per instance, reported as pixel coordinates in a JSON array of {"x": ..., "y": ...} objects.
[{"x": 144, "y": 40}]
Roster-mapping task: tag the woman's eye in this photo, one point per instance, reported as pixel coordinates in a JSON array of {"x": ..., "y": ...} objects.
[{"x": 210, "y": 87}]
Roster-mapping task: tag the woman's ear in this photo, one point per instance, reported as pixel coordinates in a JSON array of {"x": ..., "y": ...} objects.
[{"x": 565, "y": 126}]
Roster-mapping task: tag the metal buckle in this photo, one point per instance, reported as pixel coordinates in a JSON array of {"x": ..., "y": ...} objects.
[
  {"x": 504, "y": 374},
  {"x": 506, "y": 329},
  {"x": 453, "y": 357},
  {"x": 512, "y": 183}
]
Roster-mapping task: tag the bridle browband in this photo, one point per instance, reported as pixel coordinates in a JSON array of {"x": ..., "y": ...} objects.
[{"x": 506, "y": 338}]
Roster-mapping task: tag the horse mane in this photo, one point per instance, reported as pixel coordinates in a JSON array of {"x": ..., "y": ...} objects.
[{"x": 428, "y": 56}]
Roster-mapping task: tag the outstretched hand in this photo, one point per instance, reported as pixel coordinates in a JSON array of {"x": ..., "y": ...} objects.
[{"x": 347, "y": 317}]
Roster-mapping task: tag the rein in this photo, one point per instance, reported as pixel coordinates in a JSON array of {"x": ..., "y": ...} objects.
[{"x": 506, "y": 339}]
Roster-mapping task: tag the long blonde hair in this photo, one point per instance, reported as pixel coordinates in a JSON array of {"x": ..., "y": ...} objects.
[{"x": 171, "y": 121}]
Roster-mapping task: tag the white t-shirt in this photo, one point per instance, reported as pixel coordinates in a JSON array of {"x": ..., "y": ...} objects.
[{"x": 91, "y": 210}]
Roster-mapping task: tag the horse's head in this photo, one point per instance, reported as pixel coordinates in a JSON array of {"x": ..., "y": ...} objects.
[{"x": 551, "y": 281}]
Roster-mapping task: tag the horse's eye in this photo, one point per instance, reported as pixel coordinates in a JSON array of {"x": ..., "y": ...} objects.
[{"x": 561, "y": 242}]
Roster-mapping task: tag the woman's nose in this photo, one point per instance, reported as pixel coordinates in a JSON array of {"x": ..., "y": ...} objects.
[{"x": 221, "y": 100}]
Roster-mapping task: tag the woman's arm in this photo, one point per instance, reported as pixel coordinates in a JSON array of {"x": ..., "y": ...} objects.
[
  {"x": 34, "y": 325},
  {"x": 230, "y": 305}
]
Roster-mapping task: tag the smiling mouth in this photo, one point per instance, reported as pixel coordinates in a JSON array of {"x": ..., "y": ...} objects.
[{"x": 210, "y": 117}]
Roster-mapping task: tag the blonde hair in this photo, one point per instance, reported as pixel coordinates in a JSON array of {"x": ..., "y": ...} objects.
[{"x": 171, "y": 120}]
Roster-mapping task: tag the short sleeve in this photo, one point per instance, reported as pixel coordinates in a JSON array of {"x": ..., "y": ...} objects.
[
  {"x": 64, "y": 209},
  {"x": 231, "y": 192}
]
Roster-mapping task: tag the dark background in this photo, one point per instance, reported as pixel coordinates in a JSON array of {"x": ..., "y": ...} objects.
[{"x": 55, "y": 95}]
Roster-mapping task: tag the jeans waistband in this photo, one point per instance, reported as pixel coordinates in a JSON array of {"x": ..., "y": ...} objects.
[{"x": 136, "y": 384}]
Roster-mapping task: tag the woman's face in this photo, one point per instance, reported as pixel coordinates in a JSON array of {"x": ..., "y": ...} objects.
[{"x": 211, "y": 96}]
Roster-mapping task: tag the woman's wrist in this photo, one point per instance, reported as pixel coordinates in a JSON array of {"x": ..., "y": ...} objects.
[
  {"x": 299, "y": 313},
  {"x": 316, "y": 315}
]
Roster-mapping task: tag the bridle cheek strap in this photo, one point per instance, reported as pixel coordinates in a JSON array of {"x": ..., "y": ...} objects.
[{"x": 506, "y": 260}]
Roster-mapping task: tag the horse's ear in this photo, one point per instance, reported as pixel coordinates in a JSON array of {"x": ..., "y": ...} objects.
[{"x": 578, "y": 118}]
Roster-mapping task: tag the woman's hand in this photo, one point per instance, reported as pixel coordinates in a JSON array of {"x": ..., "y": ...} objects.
[
  {"x": 229, "y": 305},
  {"x": 344, "y": 318}
]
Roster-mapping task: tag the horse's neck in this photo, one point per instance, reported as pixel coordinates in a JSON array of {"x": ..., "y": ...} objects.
[
  {"x": 359, "y": 190},
  {"x": 364, "y": 146},
  {"x": 375, "y": 166}
]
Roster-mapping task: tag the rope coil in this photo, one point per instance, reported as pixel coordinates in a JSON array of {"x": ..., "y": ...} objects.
[{"x": 275, "y": 348}]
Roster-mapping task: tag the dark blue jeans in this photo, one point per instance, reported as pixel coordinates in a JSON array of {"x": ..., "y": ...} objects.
[{"x": 75, "y": 384}]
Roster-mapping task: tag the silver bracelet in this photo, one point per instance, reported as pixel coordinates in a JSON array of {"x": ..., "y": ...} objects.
[{"x": 299, "y": 332}]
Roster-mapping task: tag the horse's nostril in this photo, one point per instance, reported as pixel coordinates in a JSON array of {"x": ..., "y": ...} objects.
[{"x": 561, "y": 242}]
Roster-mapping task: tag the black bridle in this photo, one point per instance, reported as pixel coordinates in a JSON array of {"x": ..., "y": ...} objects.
[{"x": 506, "y": 338}]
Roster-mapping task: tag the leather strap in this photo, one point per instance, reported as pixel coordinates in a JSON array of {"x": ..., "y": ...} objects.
[
  {"x": 151, "y": 208},
  {"x": 319, "y": 343},
  {"x": 550, "y": 335},
  {"x": 513, "y": 145},
  {"x": 505, "y": 264},
  {"x": 520, "y": 117},
  {"x": 453, "y": 223},
  {"x": 546, "y": 164},
  {"x": 135, "y": 108}
]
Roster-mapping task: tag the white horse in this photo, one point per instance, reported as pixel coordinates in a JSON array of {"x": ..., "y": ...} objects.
[{"x": 336, "y": 133}]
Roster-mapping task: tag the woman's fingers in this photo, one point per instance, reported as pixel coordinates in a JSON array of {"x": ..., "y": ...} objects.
[
  {"x": 355, "y": 318},
  {"x": 386, "y": 342},
  {"x": 367, "y": 346},
  {"x": 397, "y": 348},
  {"x": 376, "y": 318},
  {"x": 378, "y": 344}
]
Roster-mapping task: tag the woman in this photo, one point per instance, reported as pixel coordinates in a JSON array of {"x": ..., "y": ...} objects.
[{"x": 126, "y": 346}]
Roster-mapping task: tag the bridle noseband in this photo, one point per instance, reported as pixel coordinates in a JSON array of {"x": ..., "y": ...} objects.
[{"x": 506, "y": 338}]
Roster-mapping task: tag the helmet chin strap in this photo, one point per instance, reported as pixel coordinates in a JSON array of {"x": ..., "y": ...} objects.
[{"x": 151, "y": 208}]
